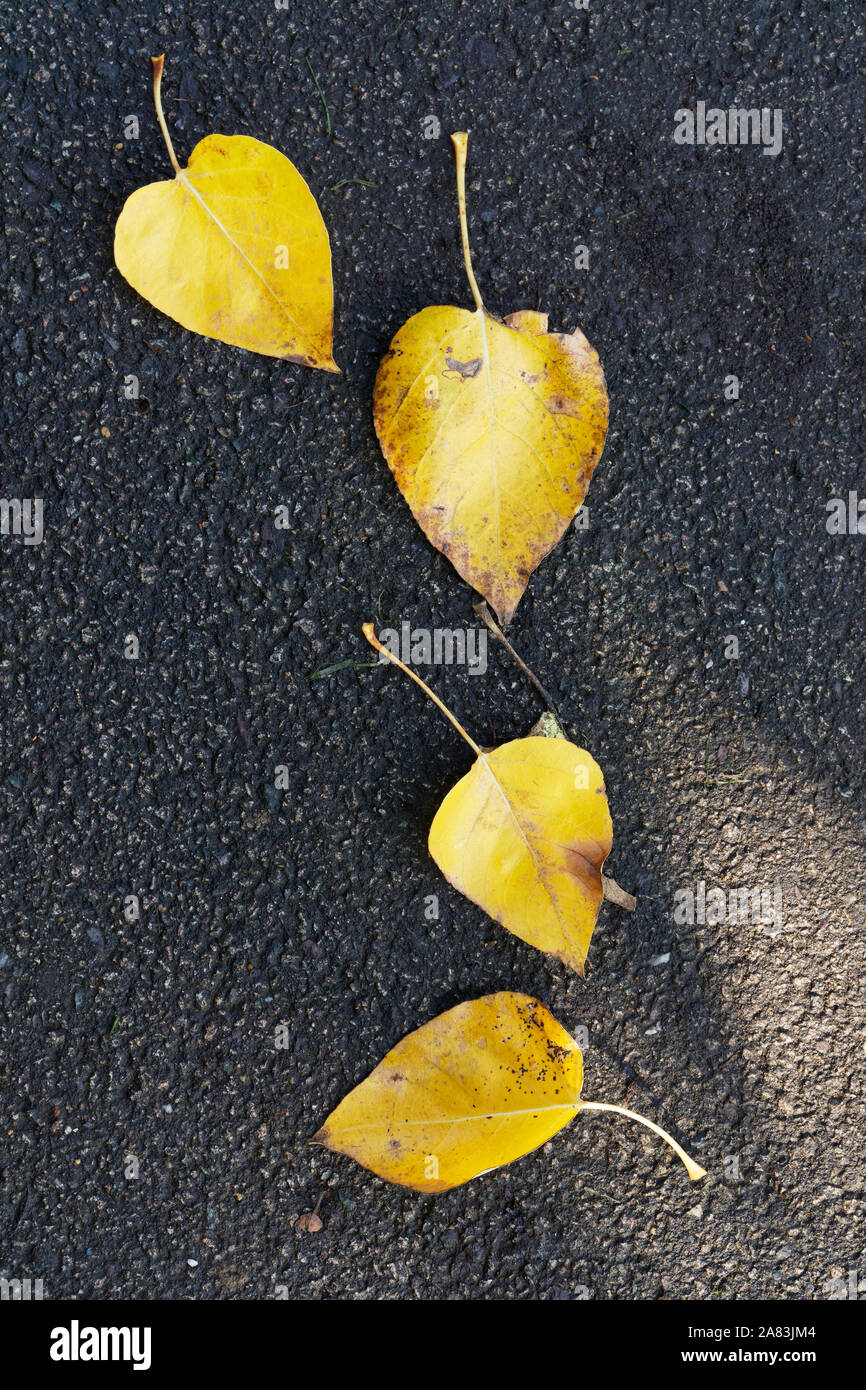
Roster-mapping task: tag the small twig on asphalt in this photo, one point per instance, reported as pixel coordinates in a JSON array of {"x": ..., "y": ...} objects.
[
  {"x": 341, "y": 183},
  {"x": 322, "y": 95},
  {"x": 347, "y": 665}
]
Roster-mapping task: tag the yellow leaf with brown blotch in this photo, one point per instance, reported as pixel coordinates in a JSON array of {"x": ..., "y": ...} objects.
[
  {"x": 492, "y": 430},
  {"x": 525, "y": 834},
  {"x": 473, "y": 1089},
  {"x": 233, "y": 247}
]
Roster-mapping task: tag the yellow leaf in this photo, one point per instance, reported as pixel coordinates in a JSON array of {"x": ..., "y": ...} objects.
[
  {"x": 525, "y": 834},
  {"x": 233, "y": 247},
  {"x": 473, "y": 1089},
  {"x": 492, "y": 430}
]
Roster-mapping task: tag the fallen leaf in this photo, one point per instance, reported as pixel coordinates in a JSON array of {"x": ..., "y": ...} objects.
[
  {"x": 492, "y": 430},
  {"x": 525, "y": 834},
  {"x": 233, "y": 247},
  {"x": 473, "y": 1089},
  {"x": 309, "y": 1221}
]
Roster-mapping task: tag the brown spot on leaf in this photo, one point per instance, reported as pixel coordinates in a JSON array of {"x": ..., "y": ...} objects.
[
  {"x": 582, "y": 859},
  {"x": 564, "y": 405},
  {"x": 465, "y": 370}
]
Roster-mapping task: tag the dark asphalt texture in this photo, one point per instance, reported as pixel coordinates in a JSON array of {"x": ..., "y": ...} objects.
[{"x": 305, "y": 907}]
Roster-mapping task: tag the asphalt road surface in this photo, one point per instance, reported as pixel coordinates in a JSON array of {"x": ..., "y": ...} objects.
[{"x": 154, "y": 1133}]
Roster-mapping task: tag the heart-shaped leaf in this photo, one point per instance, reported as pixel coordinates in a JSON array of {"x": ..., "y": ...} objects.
[
  {"x": 233, "y": 247},
  {"x": 492, "y": 430},
  {"x": 525, "y": 834},
  {"x": 471, "y": 1090}
]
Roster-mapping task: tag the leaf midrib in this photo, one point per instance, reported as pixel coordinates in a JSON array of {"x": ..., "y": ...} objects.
[
  {"x": 181, "y": 175},
  {"x": 486, "y": 351},
  {"x": 542, "y": 876},
  {"x": 462, "y": 1119}
]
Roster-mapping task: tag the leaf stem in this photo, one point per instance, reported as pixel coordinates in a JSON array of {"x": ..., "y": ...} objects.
[
  {"x": 487, "y": 617},
  {"x": 157, "y": 101},
  {"x": 614, "y": 894},
  {"x": 371, "y": 637},
  {"x": 694, "y": 1170},
  {"x": 460, "y": 141}
]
